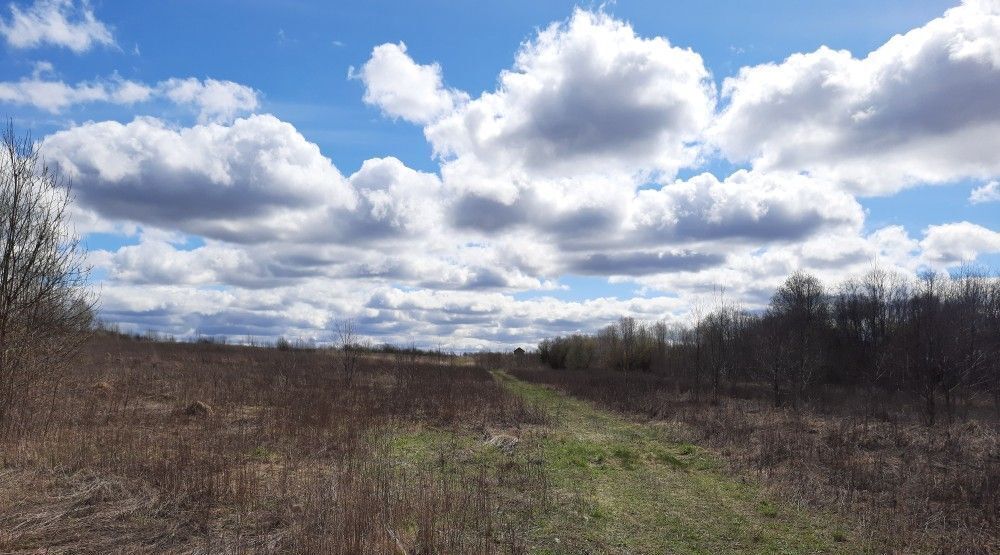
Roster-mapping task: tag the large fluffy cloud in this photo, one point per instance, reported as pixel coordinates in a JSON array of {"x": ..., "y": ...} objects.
[
  {"x": 595, "y": 224},
  {"x": 215, "y": 100},
  {"x": 589, "y": 113},
  {"x": 396, "y": 200},
  {"x": 65, "y": 23},
  {"x": 251, "y": 180},
  {"x": 918, "y": 109},
  {"x": 584, "y": 96},
  {"x": 405, "y": 89},
  {"x": 747, "y": 205},
  {"x": 961, "y": 242},
  {"x": 698, "y": 224}
]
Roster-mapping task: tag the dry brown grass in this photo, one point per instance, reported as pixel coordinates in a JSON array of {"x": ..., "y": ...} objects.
[
  {"x": 178, "y": 448},
  {"x": 907, "y": 487}
]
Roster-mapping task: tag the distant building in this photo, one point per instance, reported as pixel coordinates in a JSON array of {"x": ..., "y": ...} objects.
[{"x": 518, "y": 351}]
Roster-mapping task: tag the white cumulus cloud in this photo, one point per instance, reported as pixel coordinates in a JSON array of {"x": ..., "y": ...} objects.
[
  {"x": 257, "y": 177},
  {"x": 956, "y": 243},
  {"x": 584, "y": 96},
  {"x": 405, "y": 89},
  {"x": 214, "y": 99},
  {"x": 918, "y": 109},
  {"x": 65, "y": 23},
  {"x": 990, "y": 192}
]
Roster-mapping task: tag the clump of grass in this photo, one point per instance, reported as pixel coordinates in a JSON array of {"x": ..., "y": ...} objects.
[{"x": 768, "y": 509}]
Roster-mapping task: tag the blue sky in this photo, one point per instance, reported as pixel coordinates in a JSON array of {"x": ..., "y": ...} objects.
[{"x": 256, "y": 168}]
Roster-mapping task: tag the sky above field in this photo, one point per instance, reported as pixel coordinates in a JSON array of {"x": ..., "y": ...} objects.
[{"x": 480, "y": 175}]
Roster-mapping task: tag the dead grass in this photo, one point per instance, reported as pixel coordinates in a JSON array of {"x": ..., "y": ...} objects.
[{"x": 174, "y": 448}]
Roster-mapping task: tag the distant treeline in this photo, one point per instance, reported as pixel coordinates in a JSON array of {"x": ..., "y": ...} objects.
[
  {"x": 936, "y": 338},
  {"x": 281, "y": 343}
]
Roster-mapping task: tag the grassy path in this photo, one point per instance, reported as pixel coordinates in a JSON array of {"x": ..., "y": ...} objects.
[{"x": 621, "y": 487}]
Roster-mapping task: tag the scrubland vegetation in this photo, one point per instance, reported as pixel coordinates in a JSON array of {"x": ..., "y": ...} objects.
[
  {"x": 156, "y": 447},
  {"x": 880, "y": 398},
  {"x": 194, "y": 448}
]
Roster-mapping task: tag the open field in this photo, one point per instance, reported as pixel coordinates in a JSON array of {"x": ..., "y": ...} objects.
[{"x": 180, "y": 448}]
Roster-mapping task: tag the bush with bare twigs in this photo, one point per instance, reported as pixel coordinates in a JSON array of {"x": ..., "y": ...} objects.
[{"x": 45, "y": 310}]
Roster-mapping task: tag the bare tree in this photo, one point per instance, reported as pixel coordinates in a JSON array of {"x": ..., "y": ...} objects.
[
  {"x": 724, "y": 350},
  {"x": 923, "y": 344},
  {"x": 346, "y": 332},
  {"x": 991, "y": 313},
  {"x": 772, "y": 355},
  {"x": 45, "y": 307},
  {"x": 800, "y": 310},
  {"x": 696, "y": 341}
]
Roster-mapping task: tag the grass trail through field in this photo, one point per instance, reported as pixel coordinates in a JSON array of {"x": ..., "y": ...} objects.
[{"x": 623, "y": 487}]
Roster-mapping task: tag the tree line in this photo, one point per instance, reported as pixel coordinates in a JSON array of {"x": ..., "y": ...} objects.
[{"x": 934, "y": 339}]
